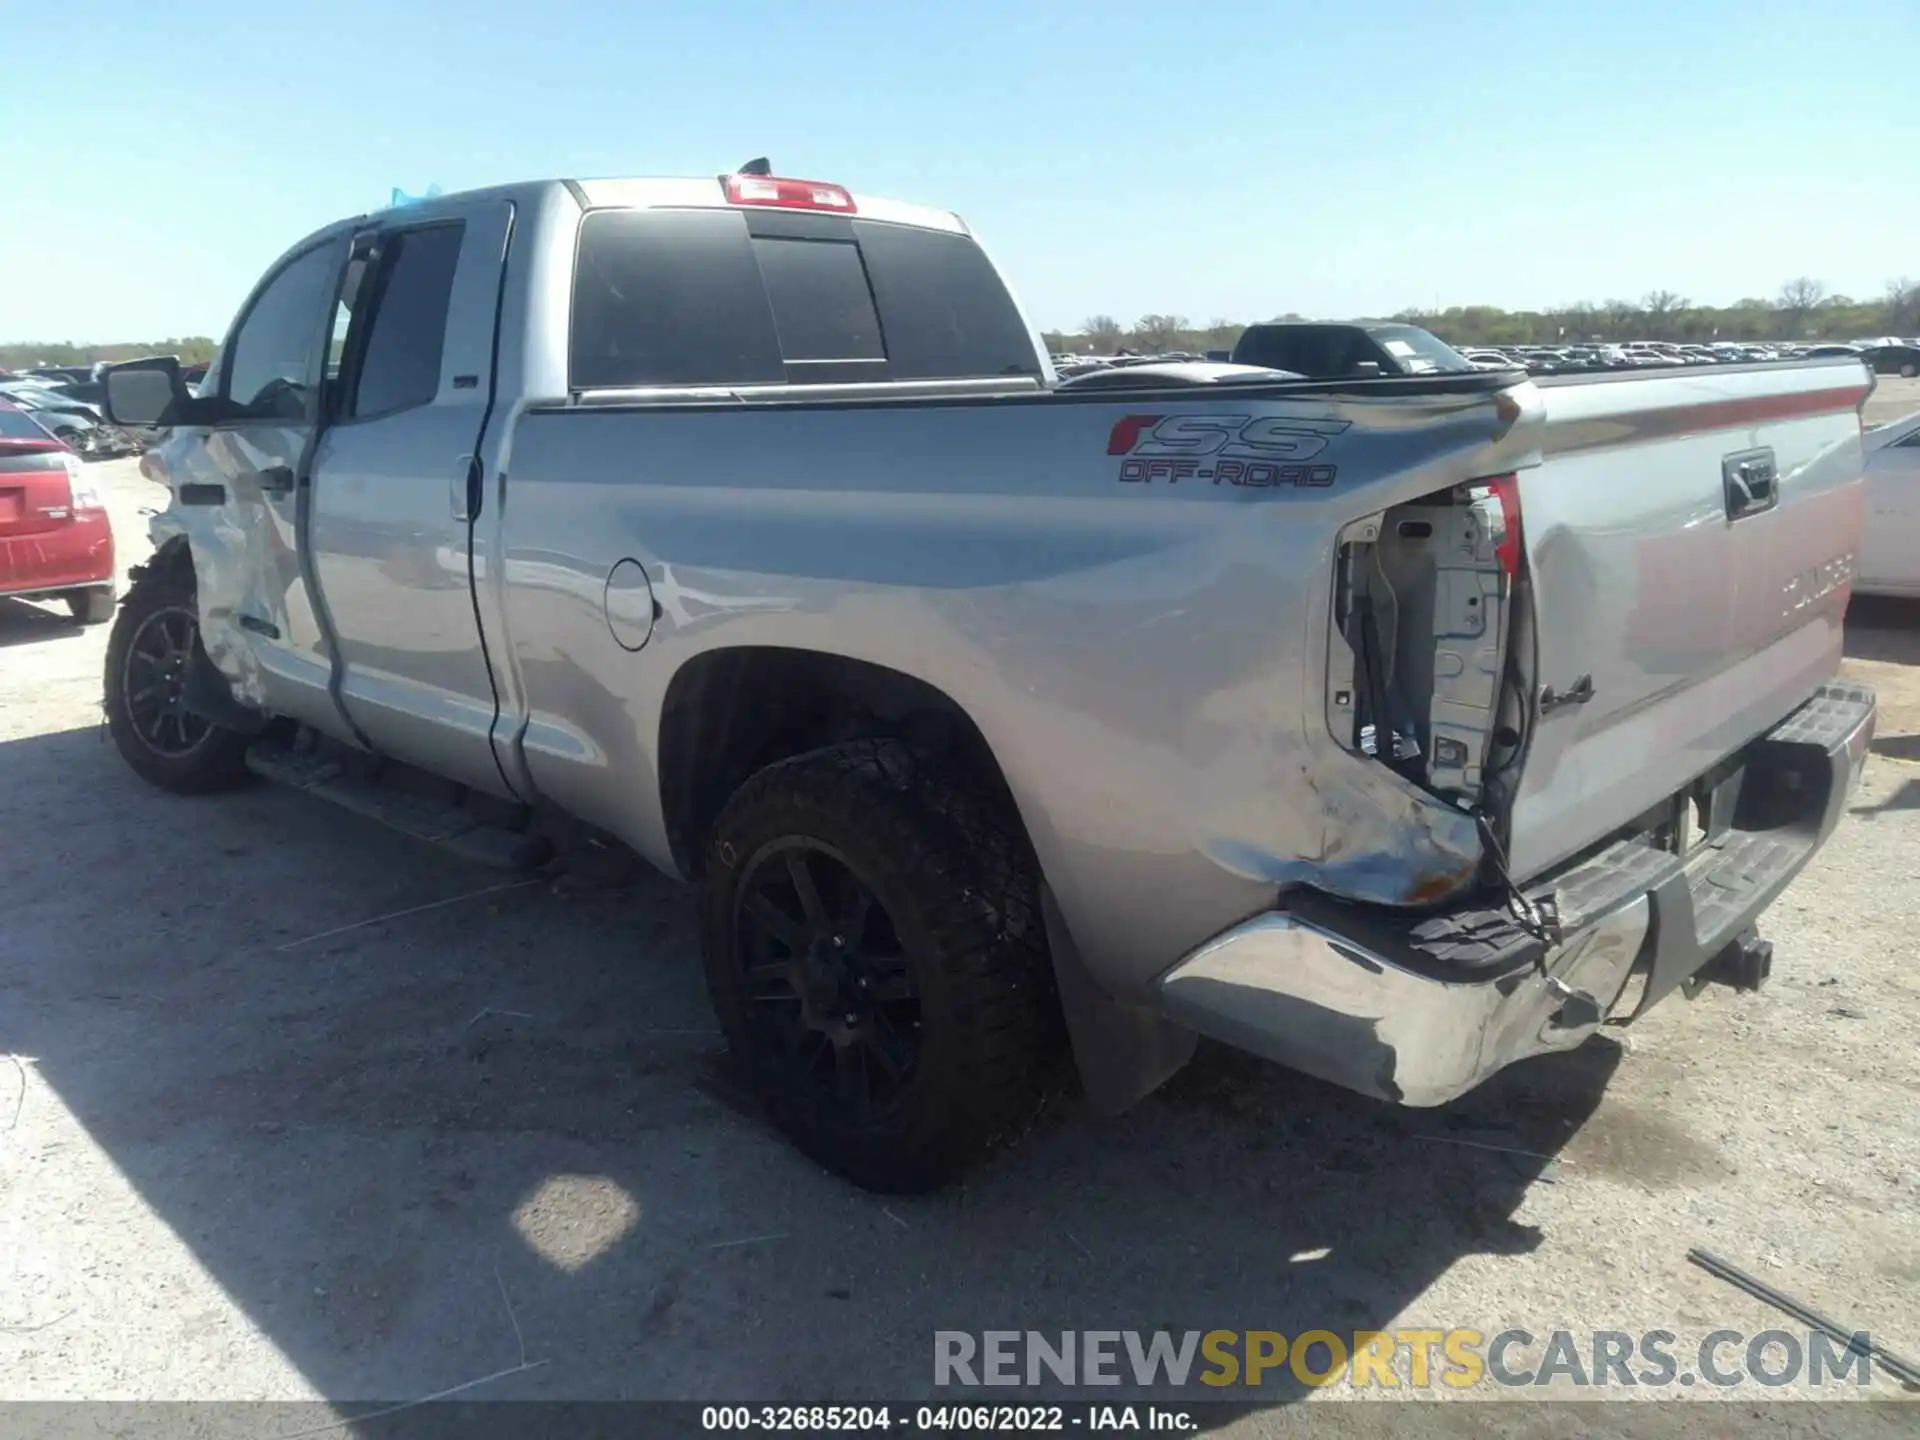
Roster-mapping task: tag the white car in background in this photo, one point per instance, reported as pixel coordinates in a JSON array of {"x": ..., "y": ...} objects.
[{"x": 1890, "y": 547}]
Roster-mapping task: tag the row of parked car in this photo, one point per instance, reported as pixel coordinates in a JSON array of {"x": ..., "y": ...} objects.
[
  {"x": 56, "y": 540},
  {"x": 1888, "y": 561},
  {"x": 1889, "y": 355},
  {"x": 67, "y": 401},
  {"x": 1321, "y": 348}
]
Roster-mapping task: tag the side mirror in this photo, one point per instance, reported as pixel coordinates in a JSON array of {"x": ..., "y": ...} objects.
[{"x": 146, "y": 394}]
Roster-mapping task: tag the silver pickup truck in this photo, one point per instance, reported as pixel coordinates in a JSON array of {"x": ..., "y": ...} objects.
[{"x": 1393, "y": 727}]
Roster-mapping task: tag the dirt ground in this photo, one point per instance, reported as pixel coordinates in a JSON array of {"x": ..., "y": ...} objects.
[
  {"x": 1892, "y": 397},
  {"x": 295, "y": 1111}
]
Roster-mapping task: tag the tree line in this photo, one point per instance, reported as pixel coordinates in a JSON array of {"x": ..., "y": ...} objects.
[
  {"x": 24, "y": 355},
  {"x": 1801, "y": 310}
]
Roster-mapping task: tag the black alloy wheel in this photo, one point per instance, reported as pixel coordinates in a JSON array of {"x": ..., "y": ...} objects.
[
  {"x": 877, "y": 962},
  {"x": 154, "y": 645},
  {"x": 829, "y": 987},
  {"x": 154, "y": 677}
]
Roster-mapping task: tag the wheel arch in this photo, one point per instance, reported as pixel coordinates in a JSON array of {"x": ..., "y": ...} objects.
[
  {"x": 216, "y": 761},
  {"x": 730, "y": 712},
  {"x": 172, "y": 559}
]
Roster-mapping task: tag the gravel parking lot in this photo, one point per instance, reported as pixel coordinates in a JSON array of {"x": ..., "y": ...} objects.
[
  {"x": 261, "y": 1143},
  {"x": 1892, "y": 397}
]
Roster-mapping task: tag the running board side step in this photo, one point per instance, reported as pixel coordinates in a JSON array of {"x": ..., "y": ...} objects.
[{"x": 455, "y": 827}]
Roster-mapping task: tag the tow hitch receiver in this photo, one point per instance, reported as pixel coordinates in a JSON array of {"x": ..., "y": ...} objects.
[{"x": 1745, "y": 964}]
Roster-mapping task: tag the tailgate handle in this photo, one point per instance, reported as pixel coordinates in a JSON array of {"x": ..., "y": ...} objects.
[{"x": 1752, "y": 482}]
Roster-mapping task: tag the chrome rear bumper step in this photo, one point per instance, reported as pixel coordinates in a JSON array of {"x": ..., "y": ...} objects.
[{"x": 1420, "y": 1009}]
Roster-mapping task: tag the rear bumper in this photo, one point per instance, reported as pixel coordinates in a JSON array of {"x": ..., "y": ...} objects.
[
  {"x": 1420, "y": 1009},
  {"x": 65, "y": 557}
]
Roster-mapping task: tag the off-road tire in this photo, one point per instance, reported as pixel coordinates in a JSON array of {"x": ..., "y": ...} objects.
[
  {"x": 218, "y": 761},
  {"x": 951, "y": 868},
  {"x": 91, "y": 606}
]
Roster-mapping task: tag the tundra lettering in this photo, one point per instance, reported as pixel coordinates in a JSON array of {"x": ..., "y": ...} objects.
[{"x": 1816, "y": 584}]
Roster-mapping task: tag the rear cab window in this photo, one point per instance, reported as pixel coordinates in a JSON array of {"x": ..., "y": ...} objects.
[
  {"x": 1319, "y": 351},
  {"x": 666, "y": 297},
  {"x": 823, "y": 308},
  {"x": 397, "y": 364},
  {"x": 16, "y": 425},
  {"x": 1335, "y": 351},
  {"x": 1419, "y": 353}
]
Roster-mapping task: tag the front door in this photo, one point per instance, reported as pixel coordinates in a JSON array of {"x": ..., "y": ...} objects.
[
  {"x": 395, "y": 487},
  {"x": 240, "y": 489}
]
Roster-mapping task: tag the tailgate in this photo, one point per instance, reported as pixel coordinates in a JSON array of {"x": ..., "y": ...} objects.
[{"x": 1690, "y": 543}]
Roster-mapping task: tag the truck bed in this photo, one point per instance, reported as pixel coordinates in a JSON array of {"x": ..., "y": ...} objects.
[{"x": 1024, "y": 549}]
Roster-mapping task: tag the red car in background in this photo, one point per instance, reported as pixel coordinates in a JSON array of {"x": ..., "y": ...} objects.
[{"x": 55, "y": 537}]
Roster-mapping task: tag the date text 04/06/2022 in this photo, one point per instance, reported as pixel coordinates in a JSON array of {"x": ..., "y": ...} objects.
[{"x": 947, "y": 1419}]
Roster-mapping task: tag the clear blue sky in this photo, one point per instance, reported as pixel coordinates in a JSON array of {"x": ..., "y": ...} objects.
[{"x": 1199, "y": 157}]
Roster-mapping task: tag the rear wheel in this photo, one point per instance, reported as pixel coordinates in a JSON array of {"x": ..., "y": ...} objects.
[
  {"x": 91, "y": 606},
  {"x": 1908, "y": 369},
  {"x": 874, "y": 952},
  {"x": 152, "y": 645}
]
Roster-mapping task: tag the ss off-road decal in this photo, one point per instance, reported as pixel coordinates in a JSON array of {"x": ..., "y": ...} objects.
[{"x": 1256, "y": 451}]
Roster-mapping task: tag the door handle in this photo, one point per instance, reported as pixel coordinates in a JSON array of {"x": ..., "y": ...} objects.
[
  {"x": 1751, "y": 481},
  {"x": 200, "y": 493},
  {"x": 276, "y": 480},
  {"x": 463, "y": 488}
]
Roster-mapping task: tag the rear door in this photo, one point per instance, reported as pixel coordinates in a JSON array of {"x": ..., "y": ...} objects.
[{"x": 397, "y": 486}]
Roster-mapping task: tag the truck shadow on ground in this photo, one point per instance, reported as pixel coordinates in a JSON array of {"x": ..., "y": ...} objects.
[
  {"x": 24, "y": 623},
  {"x": 1884, "y": 632},
  {"x": 1880, "y": 627},
  {"x": 417, "y": 1150}
]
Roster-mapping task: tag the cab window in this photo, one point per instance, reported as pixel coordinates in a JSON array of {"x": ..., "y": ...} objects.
[
  {"x": 405, "y": 316},
  {"x": 272, "y": 362}
]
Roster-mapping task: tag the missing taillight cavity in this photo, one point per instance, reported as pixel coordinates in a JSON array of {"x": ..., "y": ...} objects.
[
  {"x": 1421, "y": 615},
  {"x": 784, "y": 194}
]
